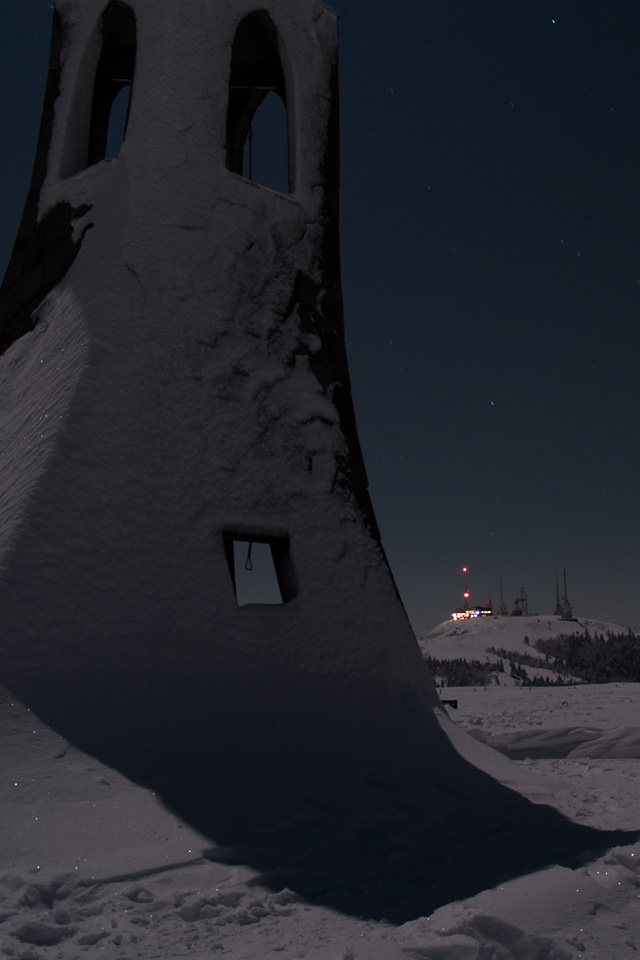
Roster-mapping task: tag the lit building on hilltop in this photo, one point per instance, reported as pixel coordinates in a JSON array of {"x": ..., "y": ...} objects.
[{"x": 471, "y": 612}]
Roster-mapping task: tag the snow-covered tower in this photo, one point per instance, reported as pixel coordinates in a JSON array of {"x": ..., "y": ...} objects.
[{"x": 176, "y": 405}]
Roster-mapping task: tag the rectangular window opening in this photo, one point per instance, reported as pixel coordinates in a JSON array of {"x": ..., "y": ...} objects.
[{"x": 261, "y": 569}]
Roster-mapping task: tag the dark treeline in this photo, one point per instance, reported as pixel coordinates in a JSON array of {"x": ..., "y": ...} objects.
[
  {"x": 518, "y": 672},
  {"x": 527, "y": 659},
  {"x": 590, "y": 659},
  {"x": 539, "y": 681},
  {"x": 473, "y": 673},
  {"x": 463, "y": 673},
  {"x": 595, "y": 659}
]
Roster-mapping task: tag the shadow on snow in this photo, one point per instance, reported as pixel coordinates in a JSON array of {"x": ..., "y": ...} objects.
[{"x": 317, "y": 789}]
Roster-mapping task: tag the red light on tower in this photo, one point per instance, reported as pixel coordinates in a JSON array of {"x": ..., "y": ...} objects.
[
  {"x": 463, "y": 612},
  {"x": 465, "y": 605}
]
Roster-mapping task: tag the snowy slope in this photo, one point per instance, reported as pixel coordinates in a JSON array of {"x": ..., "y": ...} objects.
[
  {"x": 471, "y": 639},
  {"x": 90, "y": 861}
]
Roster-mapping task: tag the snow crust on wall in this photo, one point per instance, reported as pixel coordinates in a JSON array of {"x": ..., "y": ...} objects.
[{"x": 37, "y": 381}]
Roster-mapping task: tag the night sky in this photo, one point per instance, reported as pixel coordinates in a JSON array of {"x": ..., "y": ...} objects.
[{"x": 490, "y": 215}]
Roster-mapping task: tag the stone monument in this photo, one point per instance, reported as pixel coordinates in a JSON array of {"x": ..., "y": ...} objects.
[{"x": 177, "y": 403}]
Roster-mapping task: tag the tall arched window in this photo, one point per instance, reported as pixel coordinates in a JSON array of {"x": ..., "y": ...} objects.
[
  {"x": 257, "y": 127},
  {"x": 113, "y": 82}
]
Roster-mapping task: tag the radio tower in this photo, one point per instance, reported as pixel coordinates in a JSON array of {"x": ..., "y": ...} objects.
[
  {"x": 567, "y": 613},
  {"x": 465, "y": 595},
  {"x": 502, "y": 609},
  {"x": 558, "y": 609}
]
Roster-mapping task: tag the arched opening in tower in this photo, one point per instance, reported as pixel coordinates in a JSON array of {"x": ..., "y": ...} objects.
[
  {"x": 264, "y": 157},
  {"x": 113, "y": 83},
  {"x": 257, "y": 121}
]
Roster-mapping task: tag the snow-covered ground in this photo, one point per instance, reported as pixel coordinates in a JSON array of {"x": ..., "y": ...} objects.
[{"x": 91, "y": 864}]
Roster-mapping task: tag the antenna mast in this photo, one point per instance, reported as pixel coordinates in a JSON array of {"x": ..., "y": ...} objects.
[
  {"x": 502, "y": 609},
  {"x": 567, "y": 613},
  {"x": 558, "y": 609}
]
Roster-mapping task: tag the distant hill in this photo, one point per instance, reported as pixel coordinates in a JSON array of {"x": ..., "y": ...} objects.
[{"x": 461, "y": 653}]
